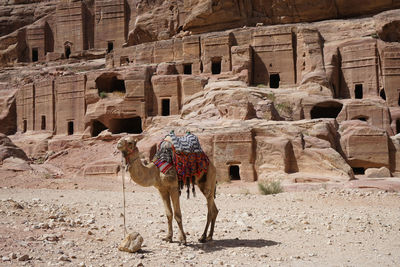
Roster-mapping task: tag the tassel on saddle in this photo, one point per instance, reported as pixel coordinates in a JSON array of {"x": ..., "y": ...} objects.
[{"x": 188, "y": 182}]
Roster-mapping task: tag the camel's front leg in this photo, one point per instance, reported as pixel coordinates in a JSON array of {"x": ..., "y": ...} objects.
[
  {"x": 168, "y": 211},
  {"x": 178, "y": 214}
]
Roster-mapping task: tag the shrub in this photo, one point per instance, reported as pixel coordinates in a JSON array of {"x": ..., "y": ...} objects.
[
  {"x": 270, "y": 187},
  {"x": 102, "y": 94},
  {"x": 270, "y": 96}
]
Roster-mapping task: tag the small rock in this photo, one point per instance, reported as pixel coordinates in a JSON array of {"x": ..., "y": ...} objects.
[
  {"x": 132, "y": 243},
  {"x": 90, "y": 232},
  {"x": 13, "y": 255},
  {"x": 81, "y": 264},
  {"x": 24, "y": 258},
  {"x": 64, "y": 258},
  {"x": 4, "y": 258}
]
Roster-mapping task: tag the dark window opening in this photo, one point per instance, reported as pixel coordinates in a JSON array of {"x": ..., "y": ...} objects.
[
  {"x": 398, "y": 101},
  {"x": 43, "y": 124},
  {"x": 130, "y": 125},
  {"x": 110, "y": 46},
  {"x": 109, "y": 83},
  {"x": 35, "y": 54},
  {"x": 216, "y": 66},
  {"x": 97, "y": 128},
  {"x": 358, "y": 91},
  {"x": 201, "y": 67},
  {"x": 70, "y": 128},
  {"x": 67, "y": 51},
  {"x": 187, "y": 69},
  {"x": 326, "y": 110},
  {"x": 124, "y": 61},
  {"x": 25, "y": 126},
  {"x": 362, "y": 118},
  {"x": 165, "y": 107},
  {"x": 383, "y": 94},
  {"x": 274, "y": 80},
  {"x": 234, "y": 172},
  {"x": 397, "y": 126},
  {"x": 358, "y": 170}
]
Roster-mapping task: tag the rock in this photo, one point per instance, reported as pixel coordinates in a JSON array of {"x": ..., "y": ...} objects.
[
  {"x": 5, "y": 258},
  {"x": 64, "y": 258},
  {"x": 50, "y": 237},
  {"x": 13, "y": 255},
  {"x": 132, "y": 243},
  {"x": 24, "y": 257},
  {"x": 377, "y": 173},
  {"x": 9, "y": 149}
]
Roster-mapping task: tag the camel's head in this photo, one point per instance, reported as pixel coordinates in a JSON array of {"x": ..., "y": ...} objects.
[{"x": 127, "y": 144}]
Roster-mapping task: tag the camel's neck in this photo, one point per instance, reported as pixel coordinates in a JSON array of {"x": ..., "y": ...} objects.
[{"x": 140, "y": 174}]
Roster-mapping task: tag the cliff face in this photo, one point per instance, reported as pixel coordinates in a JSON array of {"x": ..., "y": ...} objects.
[
  {"x": 15, "y": 14},
  {"x": 270, "y": 86},
  {"x": 156, "y": 20}
]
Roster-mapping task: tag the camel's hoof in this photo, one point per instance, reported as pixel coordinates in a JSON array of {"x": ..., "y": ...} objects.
[
  {"x": 209, "y": 238},
  {"x": 203, "y": 239},
  {"x": 167, "y": 239}
]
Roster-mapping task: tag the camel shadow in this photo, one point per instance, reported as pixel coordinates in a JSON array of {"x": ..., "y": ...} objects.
[{"x": 221, "y": 244}]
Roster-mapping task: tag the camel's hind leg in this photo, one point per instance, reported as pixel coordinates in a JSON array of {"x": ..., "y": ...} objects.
[
  {"x": 168, "y": 211},
  {"x": 207, "y": 187},
  {"x": 178, "y": 214}
]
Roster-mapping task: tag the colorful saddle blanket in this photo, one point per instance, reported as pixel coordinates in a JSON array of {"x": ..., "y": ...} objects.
[{"x": 186, "y": 155}]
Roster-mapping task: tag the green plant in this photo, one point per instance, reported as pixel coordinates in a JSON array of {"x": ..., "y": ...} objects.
[
  {"x": 102, "y": 95},
  {"x": 284, "y": 107},
  {"x": 270, "y": 187},
  {"x": 270, "y": 96},
  {"x": 375, "y": 35},
  {"x": 261, "y": 85}
]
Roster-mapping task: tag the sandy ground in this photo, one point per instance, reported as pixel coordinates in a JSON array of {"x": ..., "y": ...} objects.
[{"x": 80, "y": 224}]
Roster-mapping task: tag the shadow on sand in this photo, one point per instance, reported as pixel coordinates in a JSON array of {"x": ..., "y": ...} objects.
[{"x": 221, "y": 244}]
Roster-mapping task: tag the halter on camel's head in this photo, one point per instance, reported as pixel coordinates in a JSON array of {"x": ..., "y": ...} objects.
[{"x": 127, "y": 146}]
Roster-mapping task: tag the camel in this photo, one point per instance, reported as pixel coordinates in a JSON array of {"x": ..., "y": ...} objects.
[{"x": 167, "y": 185}]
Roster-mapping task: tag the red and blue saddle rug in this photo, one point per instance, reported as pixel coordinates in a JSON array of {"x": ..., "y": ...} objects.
[{"x": 186, "y": 155}]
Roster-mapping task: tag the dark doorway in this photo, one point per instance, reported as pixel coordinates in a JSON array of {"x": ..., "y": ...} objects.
[
  {"x": 187, "y": 69},
  {"x": 110, "y": 46},
  {"x": 216, "y": 66},
  {"x": 67, "y": 51},
  {"x": 43, "y": 124},
  {"x": 358, "y": 170},
  {"x": 328, "y": 109},
  {"x": 398, "y": 101},
  {"x": 165, "y": 107},
  {"x": 97, "y": 128},
  {"x": 274, "y": 80},
  {"x": 234, "y": 172},
  {"x": 383, "y": 94},
  {"x": 130, "y": 125},
  {"x": 397, "y": 126},
  {"x": 35, "y": 54},
  {"x": 109, "y": 83},
  {"x": 358, "y": 91},
  {"x": 70, "y": 128},
  {"x": 25, "y": 126}
]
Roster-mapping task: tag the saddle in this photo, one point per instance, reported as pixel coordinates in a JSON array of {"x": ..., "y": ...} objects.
[{"x": 185, "y": 154}]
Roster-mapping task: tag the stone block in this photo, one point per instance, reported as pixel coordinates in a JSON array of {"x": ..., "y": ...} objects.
[
  {"x": 167, "y": 94},
  {"x": 192, "y": 85},
  {"x": 273, "y": 55},
  {"x": 110, "y": 26},
  {"x": 234, "y": 149}
]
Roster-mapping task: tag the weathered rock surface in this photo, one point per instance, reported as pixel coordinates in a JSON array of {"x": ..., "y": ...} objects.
[
  {"x": 8, "y": 149},
  {"x": 377, "y": 173}
]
